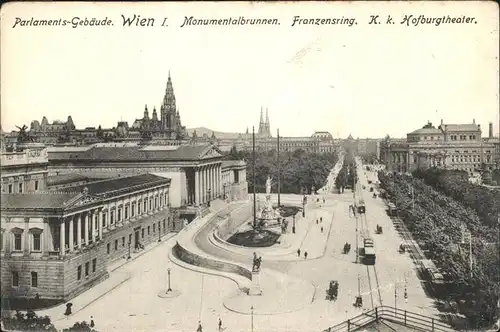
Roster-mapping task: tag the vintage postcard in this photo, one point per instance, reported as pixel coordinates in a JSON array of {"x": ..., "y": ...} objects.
[{"x": 250, "y": 166}]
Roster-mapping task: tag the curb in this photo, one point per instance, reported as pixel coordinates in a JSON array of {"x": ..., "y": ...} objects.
[{"x": 199, "y": 269}]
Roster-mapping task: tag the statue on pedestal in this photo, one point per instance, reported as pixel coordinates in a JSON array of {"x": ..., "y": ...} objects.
[
  {"x": 256, "y": 263},
  {"x": 269, "y": 182}
]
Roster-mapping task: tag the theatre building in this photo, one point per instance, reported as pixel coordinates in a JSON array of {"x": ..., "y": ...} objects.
[{"x": 58, "y": 243}]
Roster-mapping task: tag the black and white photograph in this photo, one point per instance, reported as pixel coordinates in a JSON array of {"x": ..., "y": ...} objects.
[{"x": 250, "y": 166}]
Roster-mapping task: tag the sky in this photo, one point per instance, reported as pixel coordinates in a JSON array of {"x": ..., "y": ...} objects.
[{"x": 365, "y": 80}]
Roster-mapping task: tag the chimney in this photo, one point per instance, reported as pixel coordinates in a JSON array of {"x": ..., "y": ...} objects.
[
  {"x": 441, "y": 122},
  {"x": 490, "y": 132}
]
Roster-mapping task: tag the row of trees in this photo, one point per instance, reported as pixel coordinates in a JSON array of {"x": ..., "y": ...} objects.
[
  {"x": 300, "y": 170},
  {"x": 484, "y": 201},
  {"x": 436, "y": 222}
]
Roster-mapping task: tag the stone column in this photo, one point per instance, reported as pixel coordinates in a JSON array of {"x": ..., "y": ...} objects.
[
  {"x": 209, "y": 189},
  {"x": 79, "y": 230},
  {"x": 62, "y": 237},
  {"x": 46, "y": 239},
  {"x": 71, "y": 231},
  {"x": 197, "y": 187},
  {"x": 99, "y": 220},
  {"x": 202, "y": 186},
  {"x": 26, "y": 235},
  {"x": 214, "y": 191},
  {"x": 220, "y": 179},
  {"x": 86, "y": 228}
]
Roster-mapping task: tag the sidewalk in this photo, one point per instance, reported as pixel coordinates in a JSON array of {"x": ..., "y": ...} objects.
[{"x": 115, "y": 279}]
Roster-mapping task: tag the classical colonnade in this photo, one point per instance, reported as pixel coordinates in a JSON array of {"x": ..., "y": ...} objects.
[
  {"x": 91, "y": 224},
  {"x": 207, "y": 183}
]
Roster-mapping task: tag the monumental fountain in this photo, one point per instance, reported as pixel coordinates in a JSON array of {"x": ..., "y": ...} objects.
[{"x": 266, "y": 227}]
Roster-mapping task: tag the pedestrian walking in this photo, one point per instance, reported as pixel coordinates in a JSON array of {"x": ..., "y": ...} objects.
[
  {"x": 305, "y": 254},
  {"x": 199, "y": 329},
  {"x": 298, "y": 252},
  {"x": 320, "y": 219},
  {"x": 220, "y": 324},
  {"x": 92, "y": 324},
  {"x": 321, "y": 229},
  {"x": 316, "y": 221}
]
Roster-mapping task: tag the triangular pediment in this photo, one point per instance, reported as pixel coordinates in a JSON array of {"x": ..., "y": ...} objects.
[
  {"x": 80, "y": 200},
  {"x": 211, "y": 152}
]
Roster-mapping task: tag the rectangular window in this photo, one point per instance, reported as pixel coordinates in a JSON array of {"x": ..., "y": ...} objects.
[
  {"x": 10, "y": 189},
  {"x": 138, "y": 208},
  {"x": 132, "y": 211},
  {"x": 15, "y": 279},
  {"x": 104, "y": 219},
  {"x": 151, "y": 204},
  {"x": 87, "y": 269},
  {"x": 154, "y": 228},
  {"x": 94, "y": 264},
  {"x": 142, "y": 233},
  {"x": 126, "y": 212},
  {"x": 36, "y": 185},
  {"x": 34, "y": 279},
  {"x": 108, "y": 248},
  {"x": 112, "y": 217},
  {"x": 116, "y": 244},
  {"x": 79, "y": 272},
  {"x": 123, "y": 241},
  {"x": 145, "y": 205},
  {"x": 20, "y": 188},
  {"x": 17, "y": 242},
  {"x": 149, "y": 230},
  {"x": 119, "y": 215},
  {"x": 36, "y": 242},
  {"x": 156, "y": 202}
]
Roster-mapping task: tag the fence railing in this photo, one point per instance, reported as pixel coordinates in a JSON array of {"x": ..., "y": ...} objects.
[{"x": 403, "y": 317}]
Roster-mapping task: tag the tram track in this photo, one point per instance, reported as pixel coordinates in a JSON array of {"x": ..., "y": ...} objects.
[{"x": 370, "y": 269}]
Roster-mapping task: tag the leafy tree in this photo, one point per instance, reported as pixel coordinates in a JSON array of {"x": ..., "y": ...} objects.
[
  {"x": 436, "y": 222},
  {"x": 29, "y": 322},
  {"x": 80, "y": 327},
  {"x": 300, "y": 170}
]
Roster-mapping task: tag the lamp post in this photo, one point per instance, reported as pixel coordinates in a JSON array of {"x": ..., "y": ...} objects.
[
  {"x": 129, "y": 243},
  {"x": 168, "y": 289},
  {"x": 293, "y": 227},
  {"x": 251, "y": 314},
  {"x": 304, "y": 201}
]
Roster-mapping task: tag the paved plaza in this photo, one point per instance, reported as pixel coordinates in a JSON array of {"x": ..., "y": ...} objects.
[{"x": 294, "y": 288}]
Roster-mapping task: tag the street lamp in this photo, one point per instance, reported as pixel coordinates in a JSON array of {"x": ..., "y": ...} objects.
[
  {"x": 129, "y": 243},
  {"x": 251, "y": 313},
  {"x": 304, "y": 201},
  {"x": 169, "y": 289}
]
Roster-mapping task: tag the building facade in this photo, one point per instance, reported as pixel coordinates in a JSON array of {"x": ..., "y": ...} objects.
[
  {"x": 58, "y": 244},
  {"x": 24, "y": 170},
  {"x": 450, "y": 146},
  {"x": 234, "y": 180},
  {"x": 195, "y": 170},
  {"x": 166, "y": 126}
]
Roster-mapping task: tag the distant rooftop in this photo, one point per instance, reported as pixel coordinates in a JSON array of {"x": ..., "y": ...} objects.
[{"x": 131, "y": 152}]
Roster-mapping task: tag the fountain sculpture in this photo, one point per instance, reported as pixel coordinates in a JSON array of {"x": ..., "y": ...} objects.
[{"x": 268, "y": 216}]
